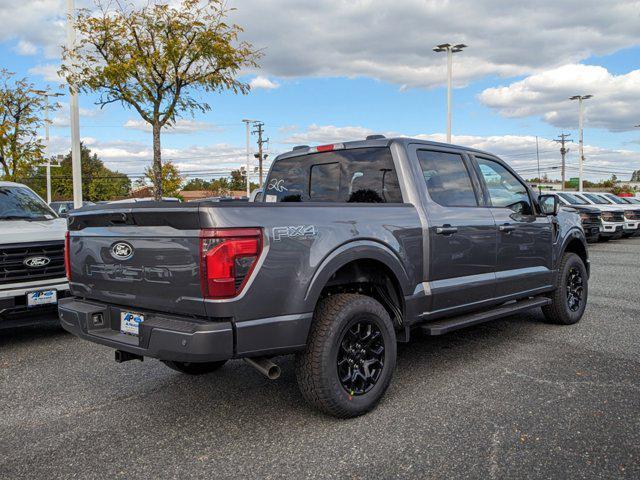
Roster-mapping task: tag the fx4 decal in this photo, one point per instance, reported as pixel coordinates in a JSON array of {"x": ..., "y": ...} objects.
[{"x": 294, "y": 231}]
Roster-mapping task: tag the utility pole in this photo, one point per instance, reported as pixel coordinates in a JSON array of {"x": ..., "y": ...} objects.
[
  {"x": 260, "y": 156},
  {"x": 247, "y": 123},
  {"x": 538, "y": 157},
  {"x": 563, "y": 152},
  {"x": 450, "y": 50},
  {"x": 580, "y": 99},
  {"x": 76, "y": 166},
  {"x": 47, "y": 153}
]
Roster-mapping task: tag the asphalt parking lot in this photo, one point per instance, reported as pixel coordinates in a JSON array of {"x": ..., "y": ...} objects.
[{"x": 516, "y": 398}]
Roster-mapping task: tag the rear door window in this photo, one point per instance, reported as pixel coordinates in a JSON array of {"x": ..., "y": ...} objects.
[{"x": 447, "y": 179}]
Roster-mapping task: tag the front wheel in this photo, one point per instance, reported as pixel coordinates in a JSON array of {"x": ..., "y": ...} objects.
[
  {"x": 350, "y": 356},
  {"x": 191, "y": 368},
  {"x": 569, "y": 299}
]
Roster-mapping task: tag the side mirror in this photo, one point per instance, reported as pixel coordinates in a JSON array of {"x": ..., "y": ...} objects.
[{"x": 549, "y": 204}]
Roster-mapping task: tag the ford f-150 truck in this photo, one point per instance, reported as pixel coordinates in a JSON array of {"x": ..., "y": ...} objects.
[
  {"x": 352, "y": 247},
  {"x": 32, "y": 274}
]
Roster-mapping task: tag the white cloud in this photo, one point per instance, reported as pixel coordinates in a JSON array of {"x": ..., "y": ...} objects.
[
  {"x": 25, "y": 47},
  {"x": 47, "y": 71},
  {"x": 263, "y": 82},
  {"x": 327, "y": 134},
  {"x": 132, "y": 157},
  {"x": 182, "y": 125},
  {"x": 518, "y": 150},
  {"x": 392, "y": 41},
  {"x": 614, "y": 106}
]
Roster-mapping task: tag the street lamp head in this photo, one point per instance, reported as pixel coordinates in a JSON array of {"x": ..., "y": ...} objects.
[
  {"x": 580, "y": 97},
  {"x": 445, "y": 47},
  {"x": 45, "y": 93}
]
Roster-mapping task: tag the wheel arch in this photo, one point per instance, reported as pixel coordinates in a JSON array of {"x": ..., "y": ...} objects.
[
  {"x": 366, "y": 267},
  {"x": 576, "y": 243}
]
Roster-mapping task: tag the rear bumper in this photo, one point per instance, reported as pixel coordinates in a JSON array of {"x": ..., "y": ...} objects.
[{"x": 184, "y": 339}]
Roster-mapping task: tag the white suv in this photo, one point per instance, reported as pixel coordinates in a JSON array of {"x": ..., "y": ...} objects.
[{"x": 32, "y": 269}]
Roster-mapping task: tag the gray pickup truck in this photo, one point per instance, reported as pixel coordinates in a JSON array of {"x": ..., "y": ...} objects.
[{"x": 352, "y": 248}]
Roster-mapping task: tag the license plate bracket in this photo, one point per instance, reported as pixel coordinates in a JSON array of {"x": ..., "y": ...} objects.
[
  {"x": 130, "y": 323},
  {"x": 42, "y": 297}
]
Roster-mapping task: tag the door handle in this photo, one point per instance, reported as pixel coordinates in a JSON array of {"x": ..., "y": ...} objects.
[
  {"x": 506, "y": 228},
  {"x": 446, "y": 230}
]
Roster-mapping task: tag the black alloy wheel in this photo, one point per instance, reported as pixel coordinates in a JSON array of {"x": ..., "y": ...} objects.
[
  {"x": 361, "y": 357},
  {"x": 575, "y": 289}
]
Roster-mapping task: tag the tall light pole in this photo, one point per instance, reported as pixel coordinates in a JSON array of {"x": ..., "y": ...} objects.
[
  {"x": 47, "y": 153},
  {"x": 580, "y": 99},
  {"x": 450, "y": 50},
  {"x": 76, "y": 167},
  {"x": 247, "y": 123}
]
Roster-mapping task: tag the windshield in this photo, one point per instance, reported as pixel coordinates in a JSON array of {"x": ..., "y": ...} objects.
[
  {"x": 19, "y": 203},
  {"x": 615, "y": 199},
  {"x": 572, "y": 199},
  {"x": 597, "y": 199}
]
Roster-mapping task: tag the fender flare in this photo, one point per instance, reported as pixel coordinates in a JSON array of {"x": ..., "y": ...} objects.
[
  {"x": 349, "y": 252},
  {"x": 573, "y": 234}
]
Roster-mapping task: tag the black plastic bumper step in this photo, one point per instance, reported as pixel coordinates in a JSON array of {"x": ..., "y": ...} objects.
[{"x": 441, "y": 327}]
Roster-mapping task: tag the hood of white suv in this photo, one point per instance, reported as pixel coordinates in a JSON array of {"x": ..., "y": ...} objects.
[{"x": 24, "y": 231}]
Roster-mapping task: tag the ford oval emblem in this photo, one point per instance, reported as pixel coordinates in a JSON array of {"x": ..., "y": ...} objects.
[
  {"x": 122, "y": 251},
  {"x": 35, "y": 262}
]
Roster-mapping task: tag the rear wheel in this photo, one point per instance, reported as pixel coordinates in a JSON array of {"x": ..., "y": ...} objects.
[
  {"x": 350, "y": 356},
  {"x": 569, "y": 300},
  {"x": 191, "y": 368}
]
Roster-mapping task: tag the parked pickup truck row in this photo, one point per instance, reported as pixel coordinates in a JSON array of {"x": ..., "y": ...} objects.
[
  {"x": 352, "y": 248},
  {"x": 618, "y": 217}
]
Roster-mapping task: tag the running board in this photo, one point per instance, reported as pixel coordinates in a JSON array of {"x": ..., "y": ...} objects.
[{"x": 441, "y": 327}]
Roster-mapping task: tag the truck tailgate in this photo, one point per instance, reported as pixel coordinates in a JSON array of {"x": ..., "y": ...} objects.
[{"x": 142, "y": 258}]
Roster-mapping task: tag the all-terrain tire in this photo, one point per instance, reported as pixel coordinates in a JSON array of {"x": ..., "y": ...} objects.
[
  {"x": 563, "y": 309},
  {"x": 191, "y": 368},
  {"x": 335, "y": 319}
]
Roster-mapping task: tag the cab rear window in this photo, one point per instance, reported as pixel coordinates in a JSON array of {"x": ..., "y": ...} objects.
[{"x": 362, "y": 175}]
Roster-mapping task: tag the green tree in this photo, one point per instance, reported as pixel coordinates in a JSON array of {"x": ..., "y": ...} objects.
[
  {"x": 153, "y": 59},
  {"x": 635, "y": 176},
  {"x": 197, "y": 184},
  {"x": 98, "y": 182},
  {"x": 21, "y": 114},
  {"x": 171, "y": 179}
]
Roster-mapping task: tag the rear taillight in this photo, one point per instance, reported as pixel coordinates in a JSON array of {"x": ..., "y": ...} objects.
[
  {"x": 227, "y": 258},
  {"x": 67, "y": 256}
]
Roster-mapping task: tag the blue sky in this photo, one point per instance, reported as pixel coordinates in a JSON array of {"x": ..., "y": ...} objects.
[{"x": 397, "y": 90}]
